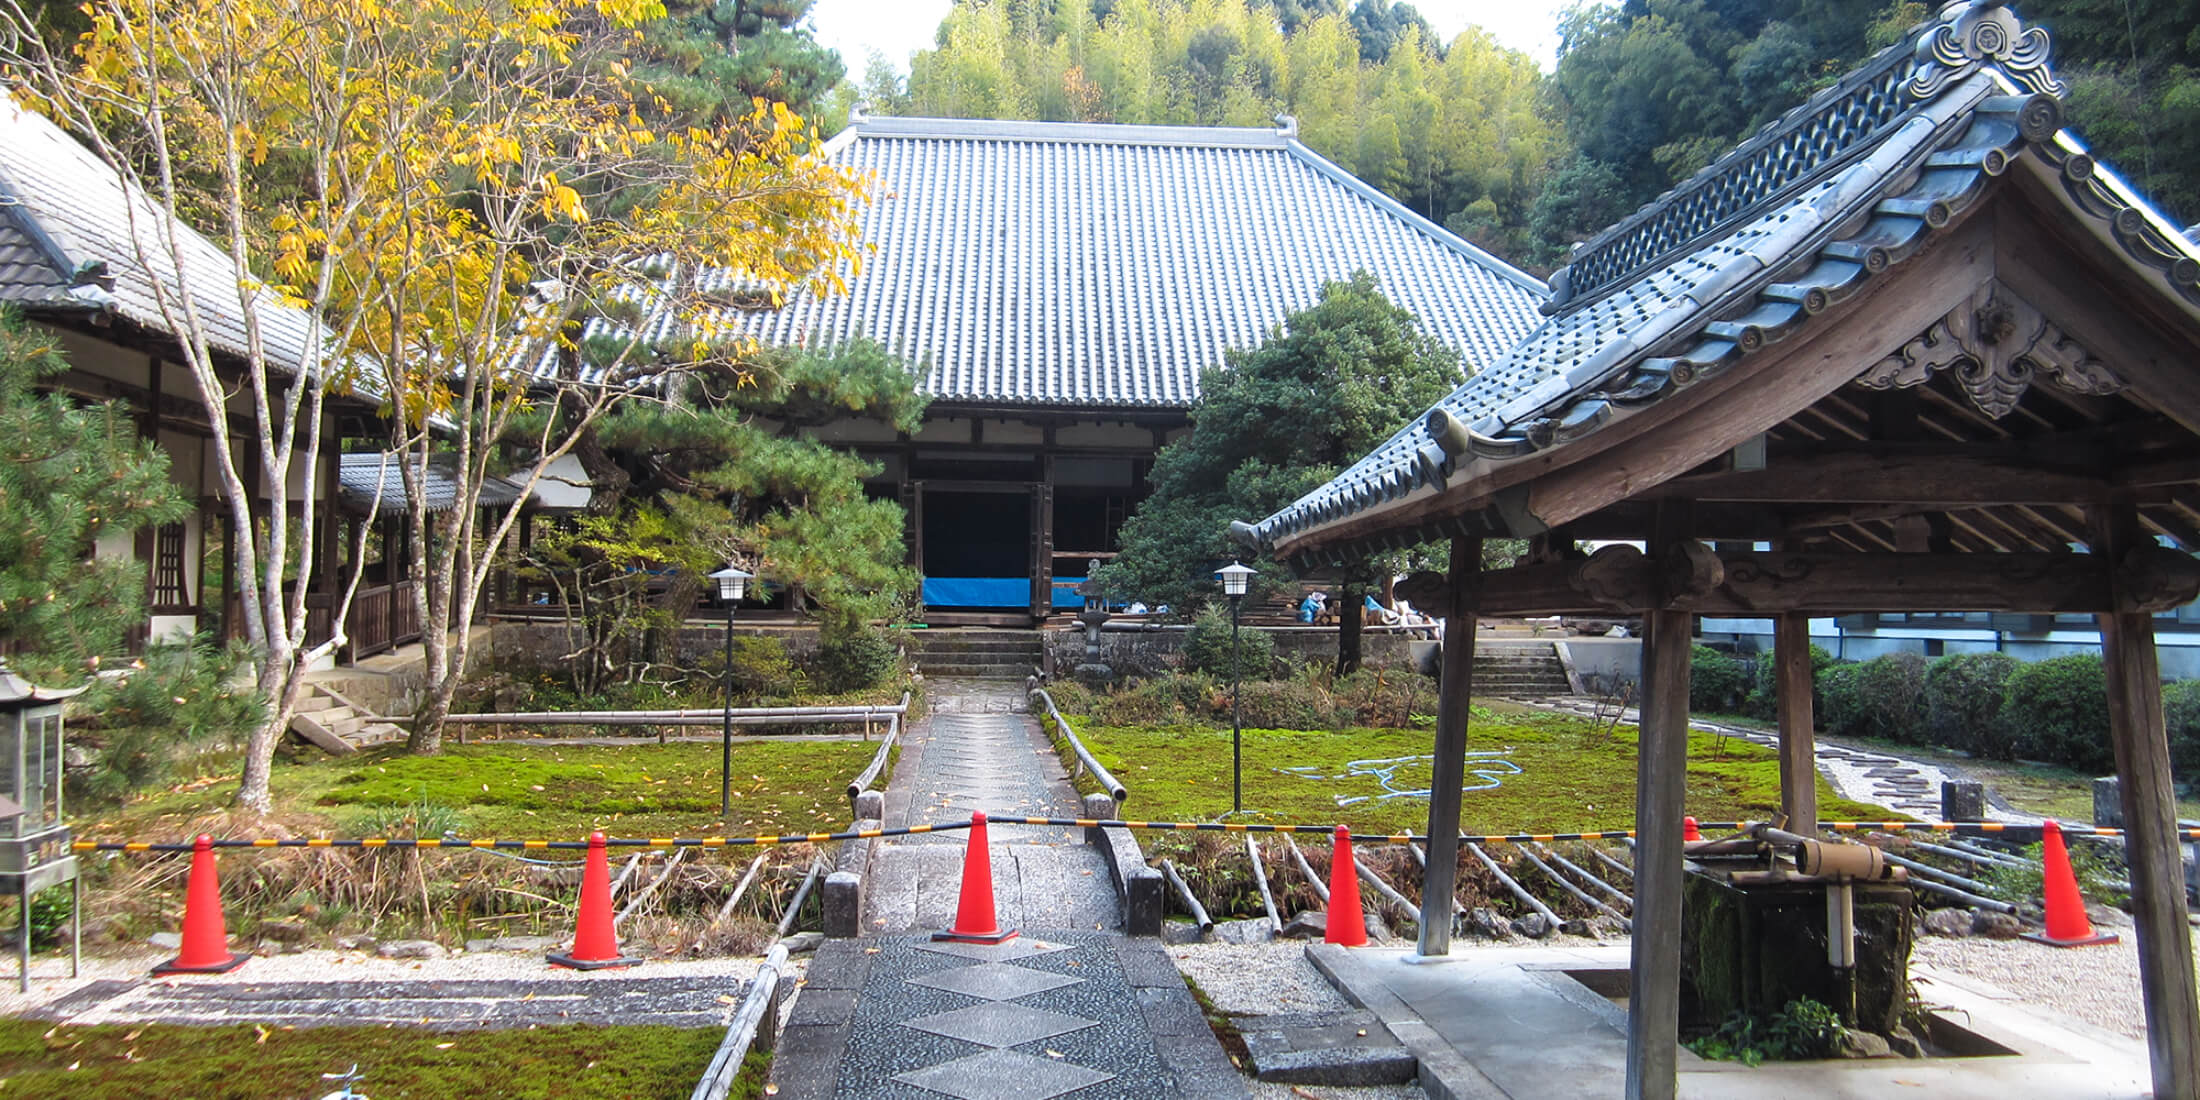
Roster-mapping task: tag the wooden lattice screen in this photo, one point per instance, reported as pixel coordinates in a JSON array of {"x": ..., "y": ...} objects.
[{"x": 168, "y": 584}]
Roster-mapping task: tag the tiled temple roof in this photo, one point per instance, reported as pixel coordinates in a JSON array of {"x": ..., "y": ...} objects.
[
  {"x": 1798, "y": 217},
  {"x": 1083, "y": 265}
]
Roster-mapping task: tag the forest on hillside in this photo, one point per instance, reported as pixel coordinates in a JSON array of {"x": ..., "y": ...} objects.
[{"x": 1475, "y": 136}]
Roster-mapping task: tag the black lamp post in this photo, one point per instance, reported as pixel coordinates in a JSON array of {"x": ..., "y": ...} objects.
[
  {"x": 1234, "y": 577},
  {"x": 731, "y": 583}
]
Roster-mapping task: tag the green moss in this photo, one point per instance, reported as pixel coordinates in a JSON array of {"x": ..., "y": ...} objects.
[
  {"x": 524, "y": 789},
  {"x": 248, "y": 1063},
  {"x": 1574, "y": 776}
]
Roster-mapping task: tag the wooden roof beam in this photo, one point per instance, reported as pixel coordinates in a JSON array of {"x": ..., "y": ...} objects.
[{"x": 1750, "y": 584}]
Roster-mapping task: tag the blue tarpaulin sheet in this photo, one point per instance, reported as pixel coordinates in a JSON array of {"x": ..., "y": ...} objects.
[{"x": 992, "y": 592}]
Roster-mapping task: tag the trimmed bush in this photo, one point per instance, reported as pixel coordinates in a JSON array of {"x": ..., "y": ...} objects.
[
  {"x": 1883, "y": 697},
  {"x": 1963, "y": 703},
  {"x": 1280, "y": 705},
  {"x": 1764, "y": 690},
  {"x": 857, "y": 659},
  {"x": 2181, "y": 709},
  {"x": 761, "y": 667},
  {"x": 1716, "y": 681},
  {"x": 1207, "y": 648},
  {"x": 2057, "y": 711}
]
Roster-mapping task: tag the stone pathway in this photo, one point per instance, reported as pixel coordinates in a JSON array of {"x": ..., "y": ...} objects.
[
  {"x": 1068, "y": 1008},
  {"x": 977, "y": 749},
  {"x": 1908, "y": 786},
  {"x": 1087, "y": 1015}
]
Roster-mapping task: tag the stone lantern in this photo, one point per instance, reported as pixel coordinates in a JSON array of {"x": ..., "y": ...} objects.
[
  {"x": 34, "y": 842},
  {"x": 1093, "y": 669}
]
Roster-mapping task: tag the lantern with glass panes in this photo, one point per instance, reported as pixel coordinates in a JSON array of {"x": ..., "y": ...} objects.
[{"x": 34, "y": 843}]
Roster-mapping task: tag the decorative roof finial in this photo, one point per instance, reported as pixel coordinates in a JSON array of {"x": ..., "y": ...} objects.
[
  {"x": 1287, "y": 126},
  {"x": 1980, "y": 32}
]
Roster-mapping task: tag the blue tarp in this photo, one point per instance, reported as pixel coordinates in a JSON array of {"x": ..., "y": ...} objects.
[{"x": 993, "y": 592}]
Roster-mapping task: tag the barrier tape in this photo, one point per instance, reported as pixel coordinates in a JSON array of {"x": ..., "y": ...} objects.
[
  {"x": 1983, "y": 828},
  {"x": 492, "y": 843}
]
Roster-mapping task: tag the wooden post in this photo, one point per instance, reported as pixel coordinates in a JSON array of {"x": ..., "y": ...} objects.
[
  {"x": 1449, "y": 772},
  {"x": 2141, "y": 741},
  {"x": 1798, "y": 735},
  {"x": 1661, "y": 773}
]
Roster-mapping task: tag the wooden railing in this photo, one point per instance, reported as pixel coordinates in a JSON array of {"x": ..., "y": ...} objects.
[{"x": 383, "y": 617}]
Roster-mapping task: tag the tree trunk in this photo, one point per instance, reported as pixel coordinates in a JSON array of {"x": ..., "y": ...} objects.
[{"x": 1348, "y": 631}]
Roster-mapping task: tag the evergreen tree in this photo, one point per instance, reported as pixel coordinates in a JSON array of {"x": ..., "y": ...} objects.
[
  {"x": 1328, "y": 385},
  {"x": 70, "y": 475},
  {"x": 708, "y": 59}
]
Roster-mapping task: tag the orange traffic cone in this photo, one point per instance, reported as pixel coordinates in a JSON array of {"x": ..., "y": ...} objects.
[
  {"x": 1347, "y": 924},
  {"x": 974, "y": 920},
  {"x": 1688, "y": 831},
  {"x": 205, "y": 934},
  {"x": 2067, "y": 924},
  {"x": 595, "y": 942}
]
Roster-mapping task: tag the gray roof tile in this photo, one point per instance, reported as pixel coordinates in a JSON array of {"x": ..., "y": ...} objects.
[
  {"x": 86, "y": 213},
  {"x": 1062, "y": 264}
]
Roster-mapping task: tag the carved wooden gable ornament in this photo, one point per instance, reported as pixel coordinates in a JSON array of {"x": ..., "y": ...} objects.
[{"x": 1997, "y": 345}]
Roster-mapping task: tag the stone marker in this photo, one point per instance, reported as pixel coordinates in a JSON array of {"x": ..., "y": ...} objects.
[
  {"x": 2108, "y": 803},
  {"x": 1962, "y": 801}
]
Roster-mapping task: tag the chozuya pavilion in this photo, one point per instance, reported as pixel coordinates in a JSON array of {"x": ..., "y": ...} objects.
[{"x": 1908, "y": 348}]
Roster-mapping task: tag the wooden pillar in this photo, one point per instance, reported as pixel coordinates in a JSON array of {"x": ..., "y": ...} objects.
[
  {"x": 1042, "y": 542},
  {"x": 1798, "y": 733},
  {"x": 1661, "y": 773},
  {"x": 2141, "y": 741},
  {"x": 1450, "y": 767}
]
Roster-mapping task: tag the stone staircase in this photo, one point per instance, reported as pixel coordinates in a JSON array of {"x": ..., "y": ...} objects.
[
  {"x": 337, "y": 725},
  {"x": 1519, "y": 670},
  {"x": 984, "y": 654}
]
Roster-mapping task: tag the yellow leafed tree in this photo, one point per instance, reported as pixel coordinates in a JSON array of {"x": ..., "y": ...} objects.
[{"x": 498, "y": 247}]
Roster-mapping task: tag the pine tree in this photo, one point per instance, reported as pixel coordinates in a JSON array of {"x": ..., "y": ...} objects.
[
  {"x": 709, "y": 58},
  {"x": 70, "y": 475}
]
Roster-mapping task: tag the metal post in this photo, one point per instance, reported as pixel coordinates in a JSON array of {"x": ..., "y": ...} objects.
[
  {"x": 1237, "y": 676},
  {"x": 725, "y": 752}
]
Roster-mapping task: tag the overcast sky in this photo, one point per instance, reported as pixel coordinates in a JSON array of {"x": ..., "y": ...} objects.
[{"x": 898, "y": 28}]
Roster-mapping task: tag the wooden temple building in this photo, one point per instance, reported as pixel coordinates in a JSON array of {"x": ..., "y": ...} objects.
[
  {"x": 1060, "y": 287},
  {"x": 1909, "y": 348}
]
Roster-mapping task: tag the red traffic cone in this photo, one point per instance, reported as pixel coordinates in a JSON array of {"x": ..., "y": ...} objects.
[
  {"x": 2067, "y": 924},
  {"x": 595, "y": 942},
  {"x": 1688, "y": 830},
  {"x": 1347, "y": 924},
  {"x": 205, "y": 934},
  {"x": 974, "y": 919}
]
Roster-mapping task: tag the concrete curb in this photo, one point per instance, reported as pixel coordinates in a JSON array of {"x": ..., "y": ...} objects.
[
  {"x": 1444, "y": 1075},
  {"x": 1139, "y": 886},
  {"x": 841, "y": 895}
]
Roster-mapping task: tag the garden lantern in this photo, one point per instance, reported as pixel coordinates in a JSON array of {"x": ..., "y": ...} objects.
[
  {"x": 34, "y": 843},
  {"x": 1234, "y": 578},
  {"x": 732, "y": 582}
]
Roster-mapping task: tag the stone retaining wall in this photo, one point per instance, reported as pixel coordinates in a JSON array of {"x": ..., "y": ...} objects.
[{"x": 1151, "y": 652}]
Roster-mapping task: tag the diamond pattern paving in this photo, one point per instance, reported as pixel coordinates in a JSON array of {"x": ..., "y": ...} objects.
[
  {"x": 994, "y": 981},
  {"x": 1000, "y": 1025},
  {"x": 1004, "y": 1075},
  {"x": 1022, "y": 947}
]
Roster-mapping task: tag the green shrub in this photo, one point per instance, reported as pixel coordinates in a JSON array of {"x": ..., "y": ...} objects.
[
  {"x": 2057, "y": 711},
  {"x": 1153, "y": 702},
  {"x": 1207, "y": 648},
  {"x": 1963, "y": 703},
  {"x": 856, "y": 659},
  {"x": 1716, "y": 681},
  {"x": 1764, "y": 689},
  {"x": 2181, "y": 709},
  {"x": 1883, "y": 697},
  {"x": 176, "y": 700},
  {"x": 761, "y": 667},
  {"x": 1282, "y": 705},
  {"x": 1802, "y": 1030}
]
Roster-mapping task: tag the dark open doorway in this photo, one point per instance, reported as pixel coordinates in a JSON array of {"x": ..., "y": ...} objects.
[{"x": 977, "y": 549}]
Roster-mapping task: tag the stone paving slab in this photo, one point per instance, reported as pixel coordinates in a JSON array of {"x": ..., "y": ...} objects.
[{"x": 909, "y": 1033}]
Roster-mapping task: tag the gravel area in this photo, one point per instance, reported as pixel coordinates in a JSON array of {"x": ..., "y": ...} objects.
[
  {"x": 1258, "y": 978},
  {"x": 346, "y": 966},
  {"x": 2098, "y": 985}
]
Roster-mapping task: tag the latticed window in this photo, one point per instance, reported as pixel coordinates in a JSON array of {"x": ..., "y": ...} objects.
[{"x": 169, "y": 589}]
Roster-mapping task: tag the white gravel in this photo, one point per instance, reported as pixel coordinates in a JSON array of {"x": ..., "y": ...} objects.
[
  {"x": 2098, "y": 985},
  {"x": 50, "y": 981},
  {"x": 1258, "y": 978}
]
